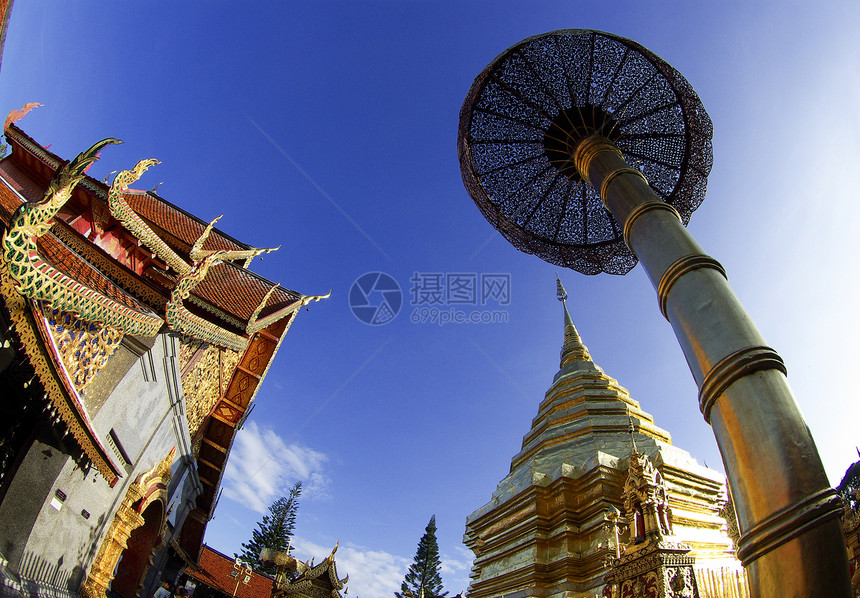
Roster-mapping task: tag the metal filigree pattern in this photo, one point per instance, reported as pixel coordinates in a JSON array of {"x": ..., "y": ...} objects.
[
  {"x": 37, "y": 279},
  {"x": 84, "y": 347},
  {"x": 528, "y": 110}
]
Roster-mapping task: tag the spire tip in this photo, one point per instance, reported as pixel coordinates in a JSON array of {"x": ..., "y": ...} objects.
[{"x": 561, "y": 294}]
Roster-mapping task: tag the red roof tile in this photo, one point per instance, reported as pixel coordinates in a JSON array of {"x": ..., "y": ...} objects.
[
  {"x": 240, "y": 291},
  {"x": 70, "y": 263},
  {"x": 178, "y": 222},
  {"x": 214, "y": 570}
]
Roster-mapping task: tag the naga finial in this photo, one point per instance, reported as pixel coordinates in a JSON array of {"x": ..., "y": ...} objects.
[
  {"x": 197, "y": 252},
  {"x": 61, "y": 186},
  {"x": 124, "y": 178},
  {"x": 120, "y": 210},
  {"x": 16, "y": 115}
]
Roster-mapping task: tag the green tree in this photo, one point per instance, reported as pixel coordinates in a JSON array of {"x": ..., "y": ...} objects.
[
  {"x": 423, "y": 579},
  {"x": 274, "y": 531}
]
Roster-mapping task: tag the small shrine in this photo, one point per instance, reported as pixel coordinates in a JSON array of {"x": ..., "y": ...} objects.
[
  {"x": 296, "y": 579},
  {"x": 653, "y": 563}
]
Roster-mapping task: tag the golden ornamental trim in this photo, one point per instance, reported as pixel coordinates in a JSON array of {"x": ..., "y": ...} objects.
[
  {"x": 787, "y": 524},
  {"x": 588, "y": 149},
  {"x": 679, "y": 268},
  {"x": 26, "y": 326},
  {"x": 115, "y": 272},
  {"x": 146, "y": 489},
  {"x": 198, "y": 254},
  {"x": 83, "y": 346},
  {"x": 255, "y": 325},
  {"x": 181, "y": 320},
  {"x": 733, "y": 367},
  {"x": 640, "y": 210},
  {"x": 206, "y": 382},
  {"x": 604, "y": 186}
]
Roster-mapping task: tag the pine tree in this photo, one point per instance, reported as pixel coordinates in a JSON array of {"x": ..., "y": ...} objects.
[
  {"x": 423, "y": 579},
  {"x": 274, "y": 531}
]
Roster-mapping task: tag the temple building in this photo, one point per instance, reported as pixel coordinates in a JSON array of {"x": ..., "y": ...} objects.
[
  {"x": 307, "y": 580},
  {"x": 216, "y": 575},
  {"x": 553, "y": 525},
  {"x": 134, "y": 338}
]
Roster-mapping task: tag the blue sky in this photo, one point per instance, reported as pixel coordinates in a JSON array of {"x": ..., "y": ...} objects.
[{"x": 330, "y": 128}]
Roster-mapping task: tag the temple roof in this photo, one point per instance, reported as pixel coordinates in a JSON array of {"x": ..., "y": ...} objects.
[
  {"x": 229, "y": 291},
  {"x": 239, "y": 291},
  {"x": 127, "y": 261},
  {"x": 176, "y": 221},
  {"x": 219, "y": 572}
]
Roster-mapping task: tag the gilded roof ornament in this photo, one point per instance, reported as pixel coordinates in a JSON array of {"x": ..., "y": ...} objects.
[
  {"x": 37, "y": 279},
  {"x": 573, "y": 349},
  {"x": 120, "y": 210},
  {"x": 197, "y": 252},
  {"x": 181, "y": 320}
]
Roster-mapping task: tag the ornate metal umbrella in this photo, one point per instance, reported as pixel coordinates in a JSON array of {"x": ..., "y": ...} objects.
[
  {"x": 530, "y": 108},
  {"x": 579, "y": 144}
]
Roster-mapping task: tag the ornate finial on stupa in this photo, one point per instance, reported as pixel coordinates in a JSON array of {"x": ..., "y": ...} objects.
[
  {"x": 573, "y": 349},
  {"x": 631, "y": 428}
]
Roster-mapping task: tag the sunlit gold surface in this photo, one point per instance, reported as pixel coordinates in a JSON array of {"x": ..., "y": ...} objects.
[{"x": 544, "y": 532}]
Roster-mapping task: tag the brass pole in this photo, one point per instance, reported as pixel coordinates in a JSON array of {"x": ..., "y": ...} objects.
[{"x": 791, "y": 537}]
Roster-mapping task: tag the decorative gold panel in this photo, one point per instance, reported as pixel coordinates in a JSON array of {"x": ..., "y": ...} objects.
[
  {"x": 84, "y": 347},
  {"x": 206, "y": 380}
]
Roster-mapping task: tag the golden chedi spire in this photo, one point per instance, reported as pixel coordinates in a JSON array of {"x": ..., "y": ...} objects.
[
  {"x": 573, "y": 348},
  {"x": 543, "y": 532}
]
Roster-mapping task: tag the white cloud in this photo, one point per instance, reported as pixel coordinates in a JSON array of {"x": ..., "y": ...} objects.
[
  {"x": 456, "y": 569},
  {"x": 372, "y": 573},
  {"x": 262, "y": 468}
]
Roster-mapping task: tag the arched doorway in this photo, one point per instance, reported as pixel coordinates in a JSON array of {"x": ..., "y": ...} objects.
[
  {"x": 135, "y": 558},
  {"x": 137, "y": 526}
]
